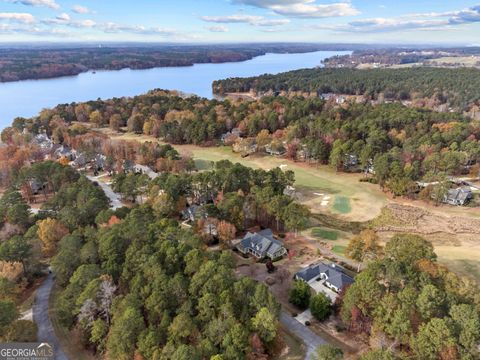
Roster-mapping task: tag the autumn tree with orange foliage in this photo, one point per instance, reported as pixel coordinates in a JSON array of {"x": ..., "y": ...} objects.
[
  {"x": 50, "y": 232},
  {"x": 226, "y": 232}
]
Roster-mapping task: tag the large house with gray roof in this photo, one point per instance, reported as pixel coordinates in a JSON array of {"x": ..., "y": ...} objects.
[
  {"x": 459, "y": 196},
  {"x": 333, "y": 276},
  {"x": 261, "y": 245}
]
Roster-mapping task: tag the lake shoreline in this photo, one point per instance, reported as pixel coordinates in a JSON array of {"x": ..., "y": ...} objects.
[
  {"x": 94, "y": 70},
  {"x": 26, "y": 98}
]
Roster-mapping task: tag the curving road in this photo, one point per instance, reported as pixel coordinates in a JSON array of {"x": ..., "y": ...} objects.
[
  {"x": 309, "y": 338},
  {"x": 46, "y": 332},
  {"x": 115, "y": 199}
]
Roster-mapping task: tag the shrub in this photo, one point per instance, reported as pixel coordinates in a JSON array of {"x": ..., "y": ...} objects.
[
  {"x": 300, "y": 294},
  {"x": 22, "y": 331},
  {"x": 320, "y": 306},
  {"x": 327, "y": 352}
]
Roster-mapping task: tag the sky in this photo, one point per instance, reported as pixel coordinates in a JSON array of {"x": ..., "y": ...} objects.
[{"x": 445, "y": 22}]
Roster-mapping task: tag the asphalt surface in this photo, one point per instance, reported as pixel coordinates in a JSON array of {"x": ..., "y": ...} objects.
[
  {"x": 309, "y": 338},
  {"x": 115, "y": 199},
  {"x": 46, "y": 333}
]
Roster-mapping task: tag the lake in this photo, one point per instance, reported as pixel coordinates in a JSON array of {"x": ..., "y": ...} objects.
[{"x": 26, "y": 98}]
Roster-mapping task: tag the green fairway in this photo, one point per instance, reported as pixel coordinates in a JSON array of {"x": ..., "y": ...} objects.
[
  {"x": 342, "y": 205},
  {"x": 356, "y": 200},
  {"x": 339, "y": 250},
  {"x": 359, "y": 201},
  {"x": 325, "y": 234}
]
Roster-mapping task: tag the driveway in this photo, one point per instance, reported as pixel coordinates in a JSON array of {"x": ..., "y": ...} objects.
[
  {"x": 309, "y": 338},
  {"x": 46, "y": 333},
  {"x": 320, "y": 287},
  {"x": 115, "y": 199}
]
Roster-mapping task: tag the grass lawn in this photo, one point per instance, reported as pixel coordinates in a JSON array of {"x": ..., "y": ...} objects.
[
  {"x": 342, "y": 205},
  {"x": 363, "y": 201},
  {"x": 464, "y": 260},
  {"x": 355, "y": 200},
  {"x": 325, "y": 234},
  {"x": 339, "y": 249}
]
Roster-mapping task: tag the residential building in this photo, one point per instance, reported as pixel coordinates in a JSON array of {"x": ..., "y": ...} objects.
[
  {"x": 275, "y": 149},
  {"x": 262, "y": 244},
  {"x": 65, "y": 151},
  {"x": 143, "y": 169},
  {"x": 332, "y": 276},
  {"x": 458, "y": 196},
  {"x": 194, "y": 213},
  {"x": 43, "y": 141},
  {"x": 235, "y": 133},
  {"x": 350, "y": 162}
]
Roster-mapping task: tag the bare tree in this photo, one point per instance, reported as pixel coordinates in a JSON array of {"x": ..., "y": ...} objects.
[{"x": 106, "y": 294}]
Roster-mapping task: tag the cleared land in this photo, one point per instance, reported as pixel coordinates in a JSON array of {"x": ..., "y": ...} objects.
[
  {"x": 456, "y": 239},
  {"x": 449, "y": 61}
]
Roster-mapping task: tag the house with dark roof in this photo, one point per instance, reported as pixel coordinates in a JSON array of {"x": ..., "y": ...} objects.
[
  {"x": 275, "y": 149},
  {"x": 43, "y": 141},
  {"x": 350, "y": 162},
  {"x": 65, "y": 151},
  {"x": 143, "y": 169},
  {"x": 332, "y": 276},
  {"x": 262, "y": 244},
  {"x": 458, "y": 196},
  {"x": 194, "y": 213},
  {"x": 234, "y": 133}
]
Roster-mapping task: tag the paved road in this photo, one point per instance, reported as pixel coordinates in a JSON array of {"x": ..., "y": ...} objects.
[
  {"x": 310, "y": 339},
  {"x": 46, "y": 333},
  {"x": 115, "y": 199}
]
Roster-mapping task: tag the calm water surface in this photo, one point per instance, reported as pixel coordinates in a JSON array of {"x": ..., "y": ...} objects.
[{"x": 27, "y": 98}]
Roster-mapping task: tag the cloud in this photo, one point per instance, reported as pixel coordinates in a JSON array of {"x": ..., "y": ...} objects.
[
  {"x": 47, "y": 3},
  {"x": 63, "y": 17},
  {"x": 65, "y": 20},
  {"x": 303, "y": 8},
  {"x": 18, "y": 17},
  {"x": 7, "y": 29},
  {"x": 385, "y": 25},
  {"x": 79, "y": 9},
  {"x": 416, "y": 21},
  {"x": 138, "y": 29},
  {"x": 85, "y": 23},
  {"x": 245, "y": 19},
  {"x": 218, "y": 28},
  {"x": 466, "y": 16}
]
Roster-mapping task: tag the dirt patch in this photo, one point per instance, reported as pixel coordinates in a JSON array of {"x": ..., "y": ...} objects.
[
  {"x": 404, "y": 218},
  {"x": 455, "y": 238}
]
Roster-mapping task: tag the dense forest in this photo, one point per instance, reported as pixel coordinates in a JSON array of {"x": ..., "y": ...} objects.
[
  {"x": 411, "y": 306},
  {"x": 27, "y": 239},
  {"x": 401, "y": 144},
  {"x": 456, "y": 87},
  {"x": 135, "y": 283},
  {"x": 40, "y": 63},
  {"x": 392, "y": 56}
]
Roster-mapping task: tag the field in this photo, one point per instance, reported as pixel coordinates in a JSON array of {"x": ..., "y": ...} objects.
[
  {"x": 466, "y": 61},
  {"x": 455, "y": 238},
  {"x": 341, "y": 197},
  {"x": 318, "y": 187},
  {"x": 324, "y": 234}
]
